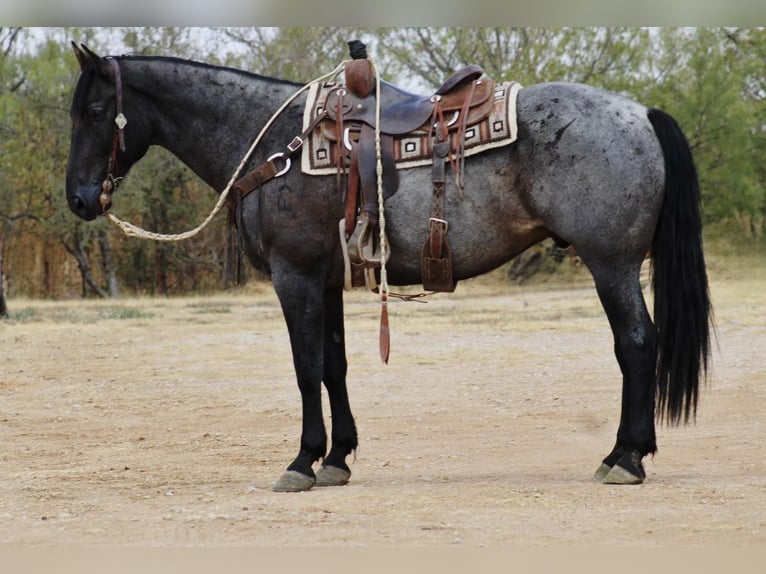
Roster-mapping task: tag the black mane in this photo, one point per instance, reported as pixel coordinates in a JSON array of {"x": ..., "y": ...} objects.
[{"x": 89, "y": 72}]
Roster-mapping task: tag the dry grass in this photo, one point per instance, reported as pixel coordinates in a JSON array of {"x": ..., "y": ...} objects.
[{"x": 150, "y": 421}]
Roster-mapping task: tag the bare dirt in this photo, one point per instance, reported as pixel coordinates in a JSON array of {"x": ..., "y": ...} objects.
[{"x": 163, "y": 422}]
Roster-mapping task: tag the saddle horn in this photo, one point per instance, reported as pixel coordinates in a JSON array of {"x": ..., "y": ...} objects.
[{"x": 359, "y": 75}]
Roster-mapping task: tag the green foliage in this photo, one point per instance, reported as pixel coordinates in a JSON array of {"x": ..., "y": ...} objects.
[
  {"x": 23, "y": 315},
  {"x": 76, "y": 314},
  {"x": 713, "y": 80},
  {"x": 297, "y": 54},
  {"x": 123, "y": 313}
]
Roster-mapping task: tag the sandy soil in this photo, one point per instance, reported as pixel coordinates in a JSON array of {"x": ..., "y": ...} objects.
[{"x": 163, "y": 422}]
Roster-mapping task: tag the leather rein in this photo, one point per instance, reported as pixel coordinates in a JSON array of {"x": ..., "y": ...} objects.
[{"x": 118, "y": 141}]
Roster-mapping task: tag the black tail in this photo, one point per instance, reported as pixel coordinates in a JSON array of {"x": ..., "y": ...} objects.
[{"x": 682, "y": 309}]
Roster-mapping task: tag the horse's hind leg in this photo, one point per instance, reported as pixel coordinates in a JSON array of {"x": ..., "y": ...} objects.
[
  {"x": 634, "y": 346},
  {"x": 335, "y": 471}
]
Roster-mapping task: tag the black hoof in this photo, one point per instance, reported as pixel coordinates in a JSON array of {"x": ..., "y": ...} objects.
[
  {"x": 332, "y": 476},
  {"x": 628, "y": 470},
  {"x": 293, "y": 481}
]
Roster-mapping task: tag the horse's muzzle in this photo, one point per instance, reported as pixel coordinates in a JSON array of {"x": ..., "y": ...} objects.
[{"x": 84, "y": 202}]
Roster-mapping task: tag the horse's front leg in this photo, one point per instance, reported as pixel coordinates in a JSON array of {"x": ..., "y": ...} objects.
[
  {"x": 302, "y": 300},
  {"x": 335, "y": 471}
]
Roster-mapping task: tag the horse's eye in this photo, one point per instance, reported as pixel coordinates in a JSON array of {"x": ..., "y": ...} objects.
[{"x": 96, "y": 112}]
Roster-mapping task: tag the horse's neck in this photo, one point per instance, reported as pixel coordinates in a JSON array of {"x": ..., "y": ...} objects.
[{"x": 208, "y": 116}]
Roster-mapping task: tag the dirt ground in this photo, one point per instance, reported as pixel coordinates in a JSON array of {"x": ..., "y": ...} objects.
[{"x": 163, "y": 422}]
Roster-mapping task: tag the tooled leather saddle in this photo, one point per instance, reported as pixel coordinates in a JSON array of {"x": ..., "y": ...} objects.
[{"x": 437, "y": 121}]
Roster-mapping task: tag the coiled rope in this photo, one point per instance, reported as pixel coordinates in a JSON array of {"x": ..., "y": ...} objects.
[{"x": 132, "y": 230}]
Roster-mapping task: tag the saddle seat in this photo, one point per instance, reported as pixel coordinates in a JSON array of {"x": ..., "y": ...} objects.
[{"x": 402, "y": 112}]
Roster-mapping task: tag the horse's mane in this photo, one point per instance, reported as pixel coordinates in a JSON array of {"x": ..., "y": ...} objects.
[
  {"x": 204, "y": 65},
  {"x": 89, "y": 72}
]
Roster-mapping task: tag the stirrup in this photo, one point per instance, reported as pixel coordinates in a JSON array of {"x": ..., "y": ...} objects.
[
  {"x": 362, "y": 247},
  {"x": 354, "y": 275},
  {"x": 359, "y": 236}
]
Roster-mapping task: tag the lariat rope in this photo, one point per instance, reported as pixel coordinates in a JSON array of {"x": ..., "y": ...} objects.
[
  {"x": 134, "y": 231},
  {"x": 379, "y": 173}
]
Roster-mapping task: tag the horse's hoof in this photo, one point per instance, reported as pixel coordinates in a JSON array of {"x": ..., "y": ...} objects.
[
  {"x": 628, "y": 470},
  {"x": 602, "y": 472},
  {"x": 618, "y": 475},
  {"x": 332, "y": 476},
  {"x": 293, "y": 481}
]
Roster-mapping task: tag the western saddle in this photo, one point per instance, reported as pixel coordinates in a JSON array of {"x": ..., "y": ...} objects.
[{"x": 348, "y": 122}]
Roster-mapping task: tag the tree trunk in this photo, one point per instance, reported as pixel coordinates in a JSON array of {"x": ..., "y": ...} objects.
[
  {"x": 3, "y": 307},
  {"x": 161, "y": 270},
  {"x": 77, "y": 251},
  {"x": 108, "y": 264}
]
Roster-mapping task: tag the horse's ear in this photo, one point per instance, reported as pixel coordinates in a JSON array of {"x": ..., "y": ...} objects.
[
  {"x": 84, "y": 55},
  {"x": 80, "y": 55}
]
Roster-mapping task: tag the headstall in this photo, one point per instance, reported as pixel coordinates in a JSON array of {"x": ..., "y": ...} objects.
[{"x": 120, "y": 121}]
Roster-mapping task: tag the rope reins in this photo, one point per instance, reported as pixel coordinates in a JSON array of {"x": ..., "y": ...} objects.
[{"x": 132, "y": 230}]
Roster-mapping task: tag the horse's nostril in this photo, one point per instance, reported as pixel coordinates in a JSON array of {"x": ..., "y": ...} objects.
[{"x": 79, "y": 206}]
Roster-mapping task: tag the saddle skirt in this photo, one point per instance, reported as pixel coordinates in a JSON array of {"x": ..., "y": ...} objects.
[{"x": 324, "y": 150}]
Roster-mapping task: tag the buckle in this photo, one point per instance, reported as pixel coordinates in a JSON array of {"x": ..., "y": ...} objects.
[
  {"x": 444, "y": 222},
  {"x": 282, "y": 156},
  {"x": 295, "y": 144},
  {"x": 347, "y": 139}
]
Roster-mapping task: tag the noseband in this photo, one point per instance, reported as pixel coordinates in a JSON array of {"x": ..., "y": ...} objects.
[{"x": 120, "y": 121}]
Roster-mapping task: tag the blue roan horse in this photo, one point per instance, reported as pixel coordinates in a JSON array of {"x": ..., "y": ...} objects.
[{"x": 591, "y": 169}]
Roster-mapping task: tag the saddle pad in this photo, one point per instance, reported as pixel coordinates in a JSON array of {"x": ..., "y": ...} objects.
[{"x": 414, "y": 149}]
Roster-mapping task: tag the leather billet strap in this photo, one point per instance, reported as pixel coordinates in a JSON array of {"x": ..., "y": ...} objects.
[
  {"x": 437, "y": 225},
  {"x": 461, "y": 138},
  {"x": 256, "y": 178},
  {"x": 269, "y": 169},
  {"x": 436, "y": 255}
]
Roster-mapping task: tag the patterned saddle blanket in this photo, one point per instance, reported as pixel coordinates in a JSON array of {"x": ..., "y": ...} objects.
[{"x": 325, "y": 150}]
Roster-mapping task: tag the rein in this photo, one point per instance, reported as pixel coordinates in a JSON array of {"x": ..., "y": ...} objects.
[
  {"x": 131, "y": 230},
  {"x": 268, "y": 169}
]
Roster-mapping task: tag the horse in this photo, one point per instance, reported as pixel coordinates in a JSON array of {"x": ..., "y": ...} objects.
[{"x": 591, "y": 169}]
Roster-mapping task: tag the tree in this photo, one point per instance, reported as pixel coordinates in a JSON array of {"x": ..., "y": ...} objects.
[
  {"x": 713, "y": 80},
  {"x": 11, "y": 78},
  {"x": 33, "y": 167},
  {"x": 297, "y": 54},
  {"x": 604, "y": 56}
]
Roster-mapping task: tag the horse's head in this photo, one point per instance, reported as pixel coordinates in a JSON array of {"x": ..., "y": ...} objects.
[{"x": 106, "y": 137}]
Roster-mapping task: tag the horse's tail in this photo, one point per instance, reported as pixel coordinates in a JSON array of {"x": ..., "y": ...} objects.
[{"x": 682, "y": 309}]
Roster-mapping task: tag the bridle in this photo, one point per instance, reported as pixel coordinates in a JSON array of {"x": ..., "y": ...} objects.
[{"x": 120, "y": 121}]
